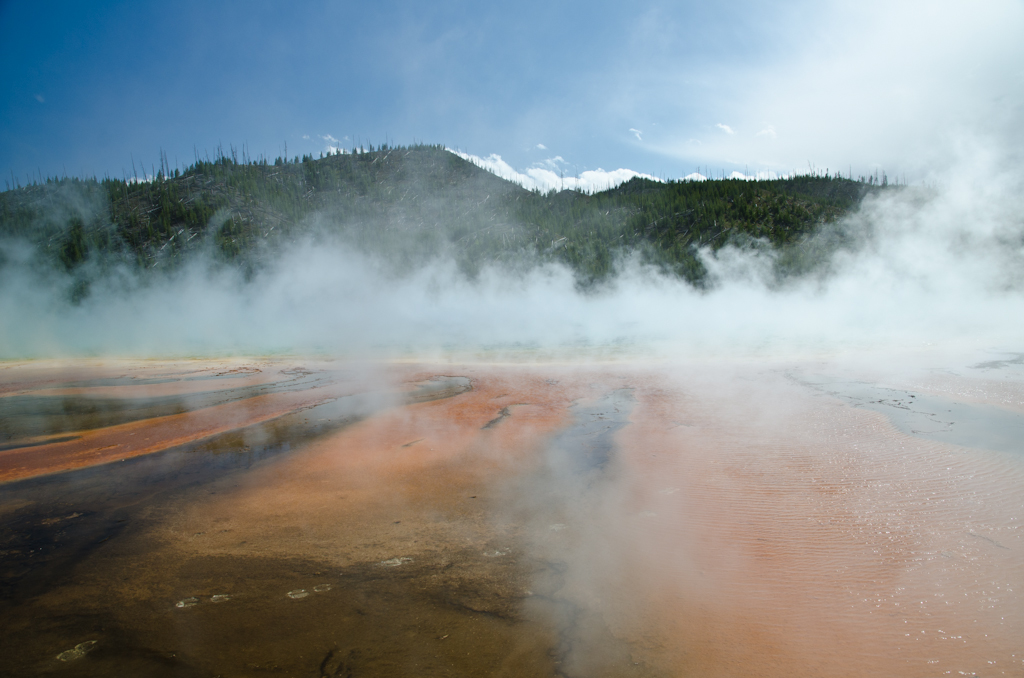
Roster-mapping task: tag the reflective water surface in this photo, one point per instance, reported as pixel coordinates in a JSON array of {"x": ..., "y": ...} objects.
[{"x": 315, "y": 518}]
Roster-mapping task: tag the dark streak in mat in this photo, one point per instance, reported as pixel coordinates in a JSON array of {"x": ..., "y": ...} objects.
[
  {"x": 587, "y": 445},
  {"x": 580, "y": 467},
  {"x": 503, "y": 414},
  {"x": 1018, "y": 359},
  {"x": 37, "y": 550},
  {"x": 23, "y": 417}
]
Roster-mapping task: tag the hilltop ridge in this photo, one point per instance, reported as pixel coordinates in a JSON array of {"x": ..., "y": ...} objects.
[{"x": 408, "y": 206}]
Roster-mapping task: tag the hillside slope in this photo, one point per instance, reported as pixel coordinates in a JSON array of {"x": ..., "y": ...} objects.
[{"x": 408, "y": 206}]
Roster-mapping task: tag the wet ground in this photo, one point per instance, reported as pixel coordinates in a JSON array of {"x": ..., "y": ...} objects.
[
  {"x": 935, "y": 417},
  {"x": 240, "y": 518}
]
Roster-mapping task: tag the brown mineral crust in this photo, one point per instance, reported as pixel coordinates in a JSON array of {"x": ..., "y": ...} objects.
[
  {"x": 767, "y": 531},
  {"x": 746, "y": 526},
  {"x": 399, "y": 512},
  {"x": 409, "y": 465}
]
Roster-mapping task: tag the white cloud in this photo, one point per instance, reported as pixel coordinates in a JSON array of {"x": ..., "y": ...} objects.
[
  {"x": 637, "y": 133},
  {"x": 763, "y": 175},
  {"x": 550, "y": 174},
  {"x": 553, "y": 163},
  {"x": 542, "y": 147},
  {"x": 547, "y": 179},
  {"x": 726, "y": 129},
  {"x": 305, "y": 136},
  {"x": 333, "y": 145},
  {"x": 896, "y": 85}
]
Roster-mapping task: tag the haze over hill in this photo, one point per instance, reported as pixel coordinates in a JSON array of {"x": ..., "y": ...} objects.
[
  {"x": 388, "y": 217},
  {"x": 408, "y": 206},
  {"x": 415, "y": 246}
]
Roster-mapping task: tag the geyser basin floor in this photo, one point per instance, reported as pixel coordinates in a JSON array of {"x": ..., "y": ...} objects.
[{"x": 580, "y": 520}]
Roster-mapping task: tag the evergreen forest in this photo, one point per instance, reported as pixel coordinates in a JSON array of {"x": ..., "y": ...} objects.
[{"x": 408, "y": 206}]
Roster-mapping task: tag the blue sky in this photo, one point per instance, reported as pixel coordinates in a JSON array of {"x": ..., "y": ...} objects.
[{"x": 660, "y": 88}]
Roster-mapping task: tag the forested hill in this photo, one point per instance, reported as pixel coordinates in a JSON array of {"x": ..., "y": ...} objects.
[{"x": 408, "y": 205}]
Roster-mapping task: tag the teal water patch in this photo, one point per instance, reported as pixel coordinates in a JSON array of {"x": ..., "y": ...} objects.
[{"x": 932, "y": 417}]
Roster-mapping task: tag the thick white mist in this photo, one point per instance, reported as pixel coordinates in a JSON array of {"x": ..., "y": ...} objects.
[{"x": 927, "y": 265}]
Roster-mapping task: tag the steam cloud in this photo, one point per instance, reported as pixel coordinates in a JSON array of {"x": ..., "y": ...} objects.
[{"x": 921, "y": 265}]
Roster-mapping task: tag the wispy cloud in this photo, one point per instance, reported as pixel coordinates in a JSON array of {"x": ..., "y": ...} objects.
[
  {"x": 768, "y": 131},
  {"x": 542, "y": 147},
  {"x": 725, "y": 128},
  {"x": 553, "y": 163},
  {"x": 637, "y": 133}
]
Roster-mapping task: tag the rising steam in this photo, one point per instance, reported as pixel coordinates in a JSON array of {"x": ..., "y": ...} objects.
[{"x": 919, "y": 265}]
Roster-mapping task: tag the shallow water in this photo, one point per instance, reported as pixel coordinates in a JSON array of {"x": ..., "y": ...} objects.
[
  {"x": 24, "y": 417},
  {"x": 587, "y": 520},
  {"x": 934, "y": 417}
]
